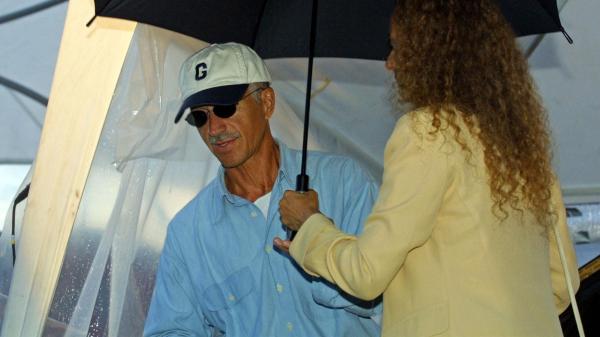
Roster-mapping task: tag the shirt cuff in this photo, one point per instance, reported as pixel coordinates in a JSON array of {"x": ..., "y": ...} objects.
[{"x": 310, "y": 229}]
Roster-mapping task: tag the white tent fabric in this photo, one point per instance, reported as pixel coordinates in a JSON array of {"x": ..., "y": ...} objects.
[
  {"x": 145, "y": 168},
  {"x": 27, "y": 57}
]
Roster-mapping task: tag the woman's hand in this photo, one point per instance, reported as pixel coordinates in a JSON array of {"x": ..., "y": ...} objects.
[{"x": 296, "y": 207}]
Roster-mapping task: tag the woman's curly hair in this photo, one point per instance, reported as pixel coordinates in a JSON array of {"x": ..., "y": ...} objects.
[{"x": 461, "y": 57}]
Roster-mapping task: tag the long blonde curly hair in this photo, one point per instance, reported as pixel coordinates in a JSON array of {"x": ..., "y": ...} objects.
[{"x": 461, "y": 55}]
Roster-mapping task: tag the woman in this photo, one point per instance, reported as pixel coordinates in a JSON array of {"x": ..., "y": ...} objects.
[{"x": 460, "y": 241}]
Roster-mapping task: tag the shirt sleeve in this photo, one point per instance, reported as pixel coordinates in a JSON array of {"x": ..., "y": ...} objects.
[
  {"x": 415, "y": 178},
  {"x": 559, "y": 283},
  {"x": 173, "y": 311}
]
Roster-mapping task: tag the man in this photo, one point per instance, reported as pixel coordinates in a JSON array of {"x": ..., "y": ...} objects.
[{"x": 218, "y": 272}]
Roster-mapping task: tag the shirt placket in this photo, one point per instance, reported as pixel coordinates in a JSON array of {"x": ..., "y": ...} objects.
[{"x": 281, "y": 285}]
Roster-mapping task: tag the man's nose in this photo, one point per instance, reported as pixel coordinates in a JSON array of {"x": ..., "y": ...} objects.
[{"x": 215, "y": 124}]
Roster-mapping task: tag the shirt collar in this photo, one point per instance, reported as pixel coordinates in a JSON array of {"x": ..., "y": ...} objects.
[{"x": 288, "y": 165}]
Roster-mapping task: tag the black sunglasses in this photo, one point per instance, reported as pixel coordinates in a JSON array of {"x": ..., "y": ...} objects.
[{"x": 198, "y": 118}]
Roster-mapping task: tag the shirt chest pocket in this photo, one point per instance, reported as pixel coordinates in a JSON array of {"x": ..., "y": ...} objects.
[{"x": 223, "y": 300}]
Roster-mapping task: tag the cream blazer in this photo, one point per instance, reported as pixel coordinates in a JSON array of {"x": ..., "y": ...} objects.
[{"x": 445, "y": 264}]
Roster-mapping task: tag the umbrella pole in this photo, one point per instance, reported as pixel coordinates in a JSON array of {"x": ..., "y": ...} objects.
[{"x": 302, "y": 179}]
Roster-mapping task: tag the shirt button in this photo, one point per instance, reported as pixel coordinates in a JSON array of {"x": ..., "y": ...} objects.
[
  {"x": 253, "y": 214},
  {"x": 231, "y": 297},
  {"x": 279, "y": 288},
  {"x": 268, "y": 249},
  {"x": 290, "y": 326}
]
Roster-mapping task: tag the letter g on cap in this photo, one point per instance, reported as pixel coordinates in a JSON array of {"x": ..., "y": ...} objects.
[{"x": 201, "y": 71}]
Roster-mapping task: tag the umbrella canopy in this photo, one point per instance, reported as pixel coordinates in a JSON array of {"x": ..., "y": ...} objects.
[
  {"x": 346, "y": 28},
  {"x": 350, "y": 29},
  {"x": 529, "y": 17}
]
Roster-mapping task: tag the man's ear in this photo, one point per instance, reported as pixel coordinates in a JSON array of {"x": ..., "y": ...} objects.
[{"x": 267, "y": 97}]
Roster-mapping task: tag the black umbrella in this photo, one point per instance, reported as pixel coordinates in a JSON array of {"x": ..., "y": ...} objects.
[
  {"x": 280, "y": 28},
  {"x": 529, "y": 17},
  {"x": 287, "y": 28}
]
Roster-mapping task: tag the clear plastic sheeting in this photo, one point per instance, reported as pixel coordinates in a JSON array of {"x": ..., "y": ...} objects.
[
  {"x": 146, "y": 168},
  {"x": 27, "y": 57}
]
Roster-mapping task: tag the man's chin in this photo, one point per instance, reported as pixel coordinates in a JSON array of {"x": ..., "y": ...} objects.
[{"x": 229, "y": 164}]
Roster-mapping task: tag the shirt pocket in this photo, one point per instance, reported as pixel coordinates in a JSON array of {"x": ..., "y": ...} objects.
[
  {"x": 314, "y": 300},
  {"x": 222, "y": 299}
]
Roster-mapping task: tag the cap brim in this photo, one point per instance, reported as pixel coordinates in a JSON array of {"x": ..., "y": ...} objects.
[{"x": 225, "y": 95}]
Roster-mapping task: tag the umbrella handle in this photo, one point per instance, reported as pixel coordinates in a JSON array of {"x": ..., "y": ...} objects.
[
  {"x": 301, "y": 186},
  {"x": 290, "y": 234},
  {"x": 302, "y": 182}
]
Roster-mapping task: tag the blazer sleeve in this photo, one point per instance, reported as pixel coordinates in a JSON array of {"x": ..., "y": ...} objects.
[
  {"x": 559, "y": 283},
  {"x": 415, "y": 178}
]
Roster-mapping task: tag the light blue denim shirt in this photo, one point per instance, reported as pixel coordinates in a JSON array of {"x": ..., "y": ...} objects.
[{"x": 219, "y": 273}]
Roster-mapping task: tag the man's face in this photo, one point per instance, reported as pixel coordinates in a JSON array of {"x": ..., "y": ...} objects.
[{"x": 236, "y": 139}]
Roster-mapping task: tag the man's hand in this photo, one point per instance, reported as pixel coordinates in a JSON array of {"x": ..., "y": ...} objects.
[{"x": 296, "y": 207}]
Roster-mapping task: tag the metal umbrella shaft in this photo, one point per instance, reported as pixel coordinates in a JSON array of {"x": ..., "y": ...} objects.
[{"x": 302, "y": 180}]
